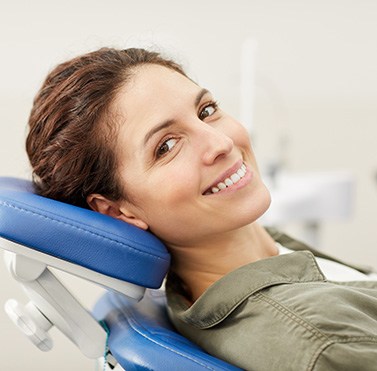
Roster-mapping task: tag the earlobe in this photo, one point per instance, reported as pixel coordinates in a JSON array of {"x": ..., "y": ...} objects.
[{"x": 114, "y": 209}]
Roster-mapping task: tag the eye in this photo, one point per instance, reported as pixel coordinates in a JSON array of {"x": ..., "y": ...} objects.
[
  {"x": 208, "y": 110},
  {"x": 166, "y": 147}
]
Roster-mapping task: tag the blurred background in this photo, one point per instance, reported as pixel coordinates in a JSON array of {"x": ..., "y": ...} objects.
[{"x": 301, "y": 74}]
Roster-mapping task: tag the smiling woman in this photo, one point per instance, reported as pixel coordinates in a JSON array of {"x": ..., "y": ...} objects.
[
  {"x": 128, "y": 134},
  {"x": 176, "y": 140}
]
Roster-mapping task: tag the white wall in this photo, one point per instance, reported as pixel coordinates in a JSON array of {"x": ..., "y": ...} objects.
[{"x": 316, "y": 77}]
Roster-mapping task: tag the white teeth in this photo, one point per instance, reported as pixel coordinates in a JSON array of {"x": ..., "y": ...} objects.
[
  {"x": 221, "y": 186},
  {"x": 241, "y": 173},
  {"x": 228, "y": 182},
  {"x": 233, "y": 179}
]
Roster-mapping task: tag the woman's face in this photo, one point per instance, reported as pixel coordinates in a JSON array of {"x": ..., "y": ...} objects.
[{"x": 182, "y": 160}]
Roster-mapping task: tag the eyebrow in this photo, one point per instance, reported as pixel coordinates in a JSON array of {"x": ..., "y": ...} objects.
[
  {"x": 200, "y": 95},
  {"x": 158, "y": 128},
  {"x": 168, "y": 123}
]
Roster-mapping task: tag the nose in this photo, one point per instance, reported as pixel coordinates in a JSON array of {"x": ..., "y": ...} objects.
[{"x": 215, "y": 144}]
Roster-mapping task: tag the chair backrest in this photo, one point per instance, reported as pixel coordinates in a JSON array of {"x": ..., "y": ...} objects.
[
  {"x": 46, "y": 232},
  {"x": 38, "y": 233}
]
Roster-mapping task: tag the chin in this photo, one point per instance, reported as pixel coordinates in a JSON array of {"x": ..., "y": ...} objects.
[{"x": 246, "y": 217}]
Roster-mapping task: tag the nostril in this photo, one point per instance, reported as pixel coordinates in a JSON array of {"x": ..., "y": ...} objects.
[
  {"x": 215, "y": 144},
  {"x": 225, "y": 147}
]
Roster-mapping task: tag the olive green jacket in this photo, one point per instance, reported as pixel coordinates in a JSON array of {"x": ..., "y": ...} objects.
[{"x": 282, "y": 314}]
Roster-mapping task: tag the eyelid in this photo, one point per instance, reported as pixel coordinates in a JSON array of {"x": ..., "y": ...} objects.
[{"x": 206, "y": 103}]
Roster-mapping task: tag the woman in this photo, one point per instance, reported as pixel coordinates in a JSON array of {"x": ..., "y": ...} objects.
[{"x": 128, "y": 134}]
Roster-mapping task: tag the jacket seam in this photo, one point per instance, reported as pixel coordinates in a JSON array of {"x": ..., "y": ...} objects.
[
  {"x": 293, "y": 316},
  {"x": 238, "y": 301}
]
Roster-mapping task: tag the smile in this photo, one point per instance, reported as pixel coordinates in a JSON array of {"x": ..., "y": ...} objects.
[{"x": 228, "y": 182}]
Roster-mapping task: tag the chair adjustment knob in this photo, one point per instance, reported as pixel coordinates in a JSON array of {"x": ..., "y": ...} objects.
[{"x": 32, "y": 323}]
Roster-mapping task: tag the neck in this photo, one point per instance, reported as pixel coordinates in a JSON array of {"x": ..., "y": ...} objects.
[{"x": 201, "y": 265}]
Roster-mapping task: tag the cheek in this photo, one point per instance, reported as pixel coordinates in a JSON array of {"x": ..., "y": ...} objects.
[
  {"x": 242, "y": 132},
  {"x": 179, "y": 184},
  {"x": 172, "y": 205},
  {"x": 168, "y": 189}
]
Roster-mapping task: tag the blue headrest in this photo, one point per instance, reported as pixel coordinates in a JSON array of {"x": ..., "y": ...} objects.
[{"x": 80, "y": 236}]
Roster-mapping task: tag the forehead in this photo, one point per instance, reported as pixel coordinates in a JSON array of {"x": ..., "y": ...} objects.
[
  {"x": 149, "y": 79},
  {"x": 153, "y": 87}
]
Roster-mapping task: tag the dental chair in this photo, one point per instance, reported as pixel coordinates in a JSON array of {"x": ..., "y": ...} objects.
[{"x": 128, "y": 328}]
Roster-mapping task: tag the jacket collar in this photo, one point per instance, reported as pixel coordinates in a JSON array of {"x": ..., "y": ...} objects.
[{"x": 226, "y": 294}]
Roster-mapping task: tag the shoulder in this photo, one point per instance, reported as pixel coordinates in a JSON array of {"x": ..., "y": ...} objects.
[{"x": 272, "y": 308}]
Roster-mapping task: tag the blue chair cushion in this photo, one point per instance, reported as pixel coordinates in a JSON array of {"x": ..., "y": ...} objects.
[
  {"x": 80, "y": 236},
  {"x": 142, "y": 338}
]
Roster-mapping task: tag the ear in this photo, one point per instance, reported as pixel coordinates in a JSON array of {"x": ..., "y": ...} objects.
[{"x": 115, "y": 209}]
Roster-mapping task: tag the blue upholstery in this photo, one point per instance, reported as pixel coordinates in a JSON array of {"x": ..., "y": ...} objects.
[
  {"x": 141, "y": 337},
  {"x": 144, "y": 329},
  {"x": 92, "y": 240}
]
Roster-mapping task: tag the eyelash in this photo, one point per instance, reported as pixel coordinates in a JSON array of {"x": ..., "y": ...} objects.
[{"x": 213, "y": 104}]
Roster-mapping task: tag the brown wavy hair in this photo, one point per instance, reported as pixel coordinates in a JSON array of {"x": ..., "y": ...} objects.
[{"x": 72, "y": 129}]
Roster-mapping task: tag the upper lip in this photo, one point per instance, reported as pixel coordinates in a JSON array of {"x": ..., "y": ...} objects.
[{"x": 225, "y": 175}]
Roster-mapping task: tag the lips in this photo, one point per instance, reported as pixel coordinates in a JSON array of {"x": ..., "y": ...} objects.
[{"x": 229, "y": 178}]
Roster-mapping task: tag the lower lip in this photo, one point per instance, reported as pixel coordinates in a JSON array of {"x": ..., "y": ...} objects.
[{"x": 243, "y": 182}]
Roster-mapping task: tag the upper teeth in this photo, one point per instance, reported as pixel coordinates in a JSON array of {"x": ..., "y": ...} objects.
[{"x": 233, "y": 179}]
